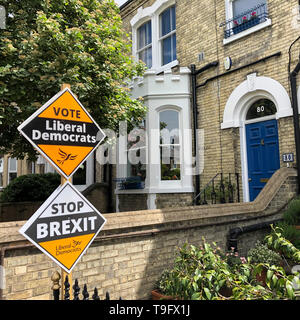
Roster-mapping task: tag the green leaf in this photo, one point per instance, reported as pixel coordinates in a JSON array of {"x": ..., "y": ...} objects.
[
  {"x": 290, "y": 291},
  {"x": 207, "y": 293},
  {"x": 196, "y": 296}
]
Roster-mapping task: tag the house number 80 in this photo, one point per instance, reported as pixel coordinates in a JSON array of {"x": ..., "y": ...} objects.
[{"x": 260, "y": 109}]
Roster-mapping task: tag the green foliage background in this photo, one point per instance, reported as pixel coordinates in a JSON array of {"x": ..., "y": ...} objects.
[
  {"x": 30, "y": 187},
  {"x": 50, "y": 42}
]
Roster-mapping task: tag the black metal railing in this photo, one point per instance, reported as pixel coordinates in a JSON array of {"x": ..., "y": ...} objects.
[
  {"x": 245, "y": 20},
  {"x": 222, "y": 188},
  {"x": 76, "y": 292}
]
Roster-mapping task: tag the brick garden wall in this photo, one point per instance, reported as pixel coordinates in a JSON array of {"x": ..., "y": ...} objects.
[{"x": 135, "y": 247}]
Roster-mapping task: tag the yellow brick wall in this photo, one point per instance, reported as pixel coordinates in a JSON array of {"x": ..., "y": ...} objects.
[{"x": 133, "y": 248}]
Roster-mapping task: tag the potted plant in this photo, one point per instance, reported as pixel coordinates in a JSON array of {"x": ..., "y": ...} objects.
[
  {"x": 161, "y": 286},
  {"x": 203, "y": 273},
  {"x": 254, "y": 19},
  {"x": 261, "y": 254}
]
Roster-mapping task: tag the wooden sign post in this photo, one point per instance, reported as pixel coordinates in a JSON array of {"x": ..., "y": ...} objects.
[{"x": 63, "y": 272}]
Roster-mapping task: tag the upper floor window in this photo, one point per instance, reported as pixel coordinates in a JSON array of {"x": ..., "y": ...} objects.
[
  {"x": 242, "y": 16},
  {"x": 154, "y": 35},
  {"x": 241, "y": 7},
  {"x": 144, "y": 44},
  {"x": 168, "y": 35}
]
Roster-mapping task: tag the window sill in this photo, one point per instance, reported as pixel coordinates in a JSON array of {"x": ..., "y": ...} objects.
[
  {"x": 166, "y": 67},
  {"x": 157, "y": 190},
  {"x": 247, "y": 32}
]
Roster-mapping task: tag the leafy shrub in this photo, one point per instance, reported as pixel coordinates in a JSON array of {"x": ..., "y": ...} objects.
[
  {"x": 202, "y": 273},
  {"x": 275, "y": 240},
  {"x": 289, "y": 232},
  {"x": 262, "y": 254},
  {"x": 31, "y": 187},
  {"x": 292, "y": 214}
]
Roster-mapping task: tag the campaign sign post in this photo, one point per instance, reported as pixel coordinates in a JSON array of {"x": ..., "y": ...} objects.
[
  {"x": 63, "y": 132},
  {"x": 66, "y": 135},
  {"x": 64, "y": 226}
]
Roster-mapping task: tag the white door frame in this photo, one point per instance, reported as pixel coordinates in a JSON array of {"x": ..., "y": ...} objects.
[{"x": 242, "y": 97}]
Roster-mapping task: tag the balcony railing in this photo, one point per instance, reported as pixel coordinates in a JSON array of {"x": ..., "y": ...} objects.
[
  {"x": 222, "y": 188},
  {"x": 246, "y": 20}
]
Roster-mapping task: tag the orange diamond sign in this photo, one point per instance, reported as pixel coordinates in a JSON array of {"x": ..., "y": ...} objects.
[
  {"x": 63, "y": 132},
  {"x": 64, "y": 226}
]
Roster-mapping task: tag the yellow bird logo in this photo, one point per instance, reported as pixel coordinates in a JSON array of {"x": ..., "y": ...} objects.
[{"x": 65, "y": 157}]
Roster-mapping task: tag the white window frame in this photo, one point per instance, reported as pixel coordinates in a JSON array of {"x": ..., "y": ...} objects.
[
  {"x": 161, "y": 38},
  {"x": 229, "y": 16},
  {"x": 168, "y": 183},
  {"x": 139, "y": 50},
  {"x": 152, "y": 13},
  {"x": 9, "y": 171}
]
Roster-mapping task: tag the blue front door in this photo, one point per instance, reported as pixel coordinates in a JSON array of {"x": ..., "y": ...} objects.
[{"x": 262, "y": 153}]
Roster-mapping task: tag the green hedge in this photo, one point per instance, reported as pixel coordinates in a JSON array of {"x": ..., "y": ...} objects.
[{"x": 30, "y": 187}]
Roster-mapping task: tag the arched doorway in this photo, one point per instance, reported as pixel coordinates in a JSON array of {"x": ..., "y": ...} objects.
[
  {"x": 241, "y": 112},
  {"x": 262, "y": 145}
]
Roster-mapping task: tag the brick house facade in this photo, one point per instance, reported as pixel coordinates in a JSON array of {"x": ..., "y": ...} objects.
[{"x": 243, "y": 97}]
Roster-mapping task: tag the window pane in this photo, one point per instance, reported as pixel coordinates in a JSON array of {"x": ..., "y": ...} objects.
[
  {"x": 169, "y": 127},
  {"x": 12, "y": 176},
  {"x": 146, "y": 57},
  {"x": 241, "y": 6},
  {"x": 170, "y": 162},
  {"x": 12, "y": 164},
  {"x": 165, "y": 22},
  {"x": 144, "y": 35},
  {"x": 261, "y": 108},
  {"x": 168, "y": 21},
  {"x": 167, "y": 50},
  {"x": 173, "y": 18}
]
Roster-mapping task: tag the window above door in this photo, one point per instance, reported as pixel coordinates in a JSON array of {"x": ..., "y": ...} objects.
[{"x": 244, "y": 17}]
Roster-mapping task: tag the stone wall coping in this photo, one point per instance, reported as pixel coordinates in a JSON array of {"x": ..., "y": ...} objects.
[{"x": 124, "y": 222}]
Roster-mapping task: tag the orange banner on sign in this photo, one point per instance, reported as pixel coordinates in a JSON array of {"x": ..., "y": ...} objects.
[
  {"x": 67, "y": 251},
  {"x": 67, "y": 158},
  {"x": 66, "y": 108}
]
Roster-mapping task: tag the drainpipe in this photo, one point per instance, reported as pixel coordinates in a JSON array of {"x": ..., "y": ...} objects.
[
  {"x": 194, "y": 74},
  {"x": 293, "y": 82},
  {"x": 234, "y": 233}
]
